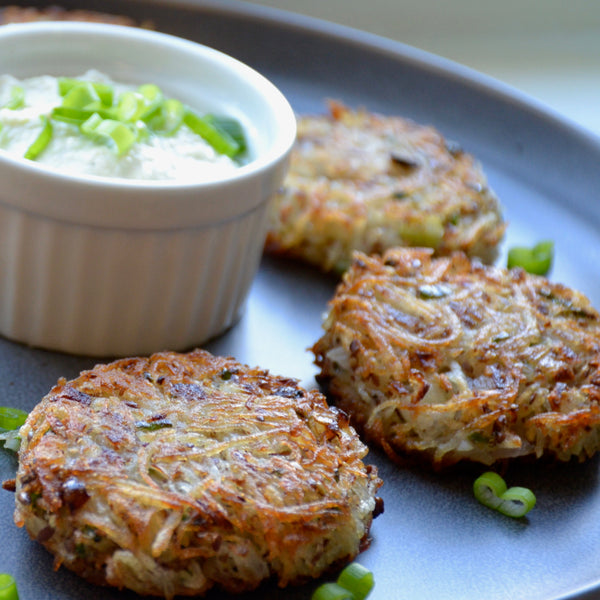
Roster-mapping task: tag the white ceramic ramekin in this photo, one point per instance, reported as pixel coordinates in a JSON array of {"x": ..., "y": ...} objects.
[{"x": 109, "y": 267}]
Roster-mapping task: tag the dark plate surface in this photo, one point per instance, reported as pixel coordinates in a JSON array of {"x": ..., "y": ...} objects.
[{"x": 434, "y": 540}]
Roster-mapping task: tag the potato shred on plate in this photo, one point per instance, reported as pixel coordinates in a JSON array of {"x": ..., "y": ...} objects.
[
  {"x": 172, "y": 474},
  {"x": 446, "y": 359},
  {"x": 369, "y": 182}
]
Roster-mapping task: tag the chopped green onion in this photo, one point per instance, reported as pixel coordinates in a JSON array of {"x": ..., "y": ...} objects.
[
  {"x": 11, "y": 439},
  {"x": 358, "y": 579},
  {"x": 332, "y": 591},
  {"x": 490, "y": 490},
  {"x": 81, "y": 96},
  {"x": 428, "y": 232},
  {"x": 536, "y": 260},
  {"x": 133, "y": 115},
  {"x": 221, "y": 141},
  {"x": 104, "y": 91},
  {"x": 517, "y": 502},
  {"x": 153, "y": 99},
  {"x": 131, "y": 107},
  {"x": 501, "y": 337},
  {"x": 169, "y": 117},
  {"x": 231, "y": 127},
  {"x": 8, "y": 587},
  {"x": 109, "y": 131},
  {"x": 153, "y": 425},
  {"x": 151, "y": 92},
  {"x": 41, "y": 141},
  {"x": 17, "y": 98},
  {"x": 77, "y": 116},
  {"x": 142, "y": 131},
  {"x": 11, "y": 418}
]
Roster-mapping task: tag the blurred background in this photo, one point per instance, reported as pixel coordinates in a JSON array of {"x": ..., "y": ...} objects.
[{"x": 549, "y": 49}]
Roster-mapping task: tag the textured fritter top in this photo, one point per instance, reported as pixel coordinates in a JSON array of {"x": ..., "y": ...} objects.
[
  {"x": 449, "y": 360},
  {"x": 171, "y": 474},
  {"x": 368, "y": 182}
]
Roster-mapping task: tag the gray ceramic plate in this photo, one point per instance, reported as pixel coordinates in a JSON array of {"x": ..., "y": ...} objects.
[{"x": 434, "y": 541}]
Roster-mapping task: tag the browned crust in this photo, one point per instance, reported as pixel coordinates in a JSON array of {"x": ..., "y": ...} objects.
[
  {"x": 364, "y": 181},
  {"x": 501, "y": 364},
  {"x": 174, "y": 473}
]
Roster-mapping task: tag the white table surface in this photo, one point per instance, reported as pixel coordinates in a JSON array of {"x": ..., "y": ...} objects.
[{"x": 549, "y": 49}]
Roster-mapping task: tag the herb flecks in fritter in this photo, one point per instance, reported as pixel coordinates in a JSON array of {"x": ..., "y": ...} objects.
[
  {"x": 447, "y": 359},
  {"x": 369, "y": 182},
  {"x": 172, "y": 474}
]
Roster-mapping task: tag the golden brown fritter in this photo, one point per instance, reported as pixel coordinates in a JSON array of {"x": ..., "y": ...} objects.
[
  {"x": 172, "y": 474},
  {"x": 368, "y": 182},
  {"x": 448, "y": 360}
]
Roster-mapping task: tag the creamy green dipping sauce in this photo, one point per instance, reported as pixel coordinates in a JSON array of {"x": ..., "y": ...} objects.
[{"x": 114, "y": 130}]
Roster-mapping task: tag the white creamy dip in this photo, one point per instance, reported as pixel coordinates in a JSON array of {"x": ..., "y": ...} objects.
[{"x": 182, "y": 156}]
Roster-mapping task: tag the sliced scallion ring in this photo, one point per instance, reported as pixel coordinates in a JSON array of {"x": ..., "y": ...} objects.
[
  {"x": 332, "y": 591},
  {"x": 358, "y": 579},
  {"x": 517, "y": 502},
  {"x": 221, "y": 141},
  {"x": 11, "y": 440},
  {"x": 17, "y": 98},
  {"x": 81, "y": 96},
  {"x": 11, "y": 418},
  {"x": 168, "y": 118},
  {"x": 153, "y": 99},
  {"x": 41, "y": 141},
  {"x": 490, "y": 490},
  {"x": 8, "y": 587},
  {"x": 536, "y": 260},
  {"x": 231, "y": 127},
  {"x": 109, "y": 131},
  {"x": 77, "y": 116},
  {"x": 131, "y": 107},
  {"x": 104, "y": 91}
]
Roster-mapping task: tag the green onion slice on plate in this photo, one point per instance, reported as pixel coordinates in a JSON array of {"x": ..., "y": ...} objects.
[
  {"x": 332, "y": 591},
  {"x": 103, "y": 92},
  {"x": 490, "y": 489},
  {"x": 355, "y": 582},
  {"x": 536, "y": 260},
  {"x": 8, "y": 587},
  {"x": 11, "y": 420},
  {"x": 517, "y": 502},
  {"x": 358, "y": 579}
]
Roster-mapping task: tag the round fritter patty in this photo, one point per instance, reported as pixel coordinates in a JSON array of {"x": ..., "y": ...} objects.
[
  {"x": 368, "y": 182},
  {"x": 448, "y": 360},
  {"x": 170, "y": 474}
]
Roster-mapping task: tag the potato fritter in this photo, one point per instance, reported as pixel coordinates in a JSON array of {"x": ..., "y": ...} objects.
[
  {"x": 172, "y": 474},
  {"x": 447, "y": 360},
  {"x": 369, "y": 182}
]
